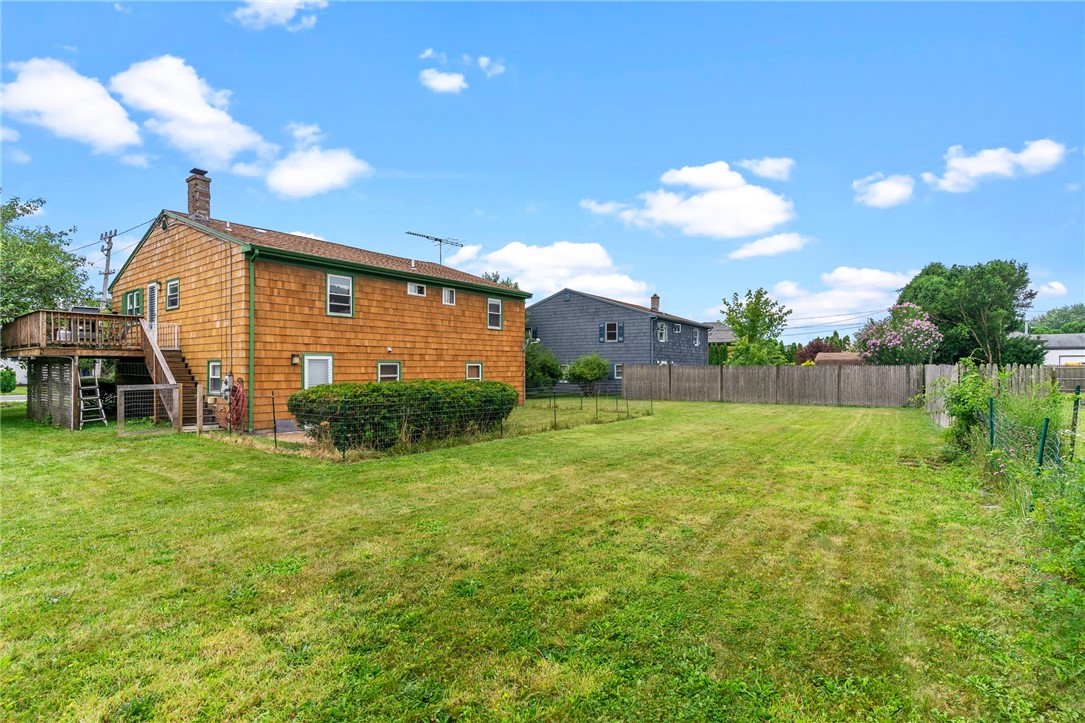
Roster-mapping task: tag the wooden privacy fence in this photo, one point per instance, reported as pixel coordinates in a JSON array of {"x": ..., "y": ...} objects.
[
  {"x": 827, "y": 385},
  {"x": 839, "y": 386}
]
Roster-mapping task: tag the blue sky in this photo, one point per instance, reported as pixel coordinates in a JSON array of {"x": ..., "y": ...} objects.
[{"x": 826, "y": 152}]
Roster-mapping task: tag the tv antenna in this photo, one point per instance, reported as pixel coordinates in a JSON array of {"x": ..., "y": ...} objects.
[{"x": 441, "y": 243}]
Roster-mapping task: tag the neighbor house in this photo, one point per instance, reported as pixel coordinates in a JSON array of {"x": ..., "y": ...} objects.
[
  {"x": 572, "y": 323},
  {"x": 1060, "y": 349},
  {"x": 281, "y": 312}
]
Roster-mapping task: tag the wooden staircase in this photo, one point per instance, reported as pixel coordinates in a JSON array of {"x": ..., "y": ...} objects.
[{"x": 189, "y": 403}]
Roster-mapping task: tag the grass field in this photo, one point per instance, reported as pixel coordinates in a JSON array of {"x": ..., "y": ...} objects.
[{"x": 710, "y": 562}]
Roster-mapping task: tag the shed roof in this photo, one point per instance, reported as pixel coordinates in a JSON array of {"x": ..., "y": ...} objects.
[
  {"x": 838, "y": 357},
  {"x": 1058, "y": 341}
]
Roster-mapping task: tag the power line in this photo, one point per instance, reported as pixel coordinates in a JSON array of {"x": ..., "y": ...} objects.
[{"x": 122, "y": 233}]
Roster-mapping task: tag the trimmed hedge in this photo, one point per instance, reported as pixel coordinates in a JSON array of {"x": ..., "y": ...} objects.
[{"x": 378, "y": 416}]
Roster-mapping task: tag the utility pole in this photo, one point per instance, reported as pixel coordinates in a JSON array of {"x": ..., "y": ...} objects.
[{"x": 107, "y": 249}]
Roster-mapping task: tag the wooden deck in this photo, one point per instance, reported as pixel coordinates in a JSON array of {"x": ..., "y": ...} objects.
[{"x": 72, "y": 334}]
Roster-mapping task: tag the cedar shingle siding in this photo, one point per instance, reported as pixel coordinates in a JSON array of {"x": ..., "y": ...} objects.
[{"x": 569, "y": 324}]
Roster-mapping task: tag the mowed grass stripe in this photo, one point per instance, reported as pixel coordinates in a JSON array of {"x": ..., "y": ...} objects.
[{"x": 712, "y": 561}]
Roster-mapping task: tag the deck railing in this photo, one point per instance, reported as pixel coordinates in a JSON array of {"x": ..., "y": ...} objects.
[{"x": 72, "y": 330}]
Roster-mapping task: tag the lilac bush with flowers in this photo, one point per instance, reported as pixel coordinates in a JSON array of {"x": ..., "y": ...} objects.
[{"x": 907, "y": 336}]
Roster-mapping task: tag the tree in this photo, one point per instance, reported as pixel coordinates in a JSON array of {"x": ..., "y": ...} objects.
[
  {"x": 755, "y": 320},
  {"x": 495, "y": 276},
  {"x": 816, "y": 346},
  {"x": 1063, "y": 320},
  {"x": 542, "y": 367},
  {"x": 906, "y": 336},
  {"x": 974, "y": 307},
  {"x": 36, "y": 271},
  {"x": 588, "y": 371},
  {"x": 1023, "y": 350}
]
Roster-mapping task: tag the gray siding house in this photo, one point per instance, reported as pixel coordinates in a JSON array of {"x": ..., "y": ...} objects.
[{"x": 572, "y": 324}]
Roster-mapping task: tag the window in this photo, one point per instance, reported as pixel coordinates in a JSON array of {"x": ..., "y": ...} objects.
[
  {"x": 610, "y": 333},
  {"x": 618, "y": 371},
  {"x": 388, "y": 372},
  {"x": 448, "y": 297},
  {"x": 416, "y": 289},
  {"x": 214, "y": 377},
  {"x": 173, "y": 294},
  {"x": 316, "y": 369},
  {"x": 696, "y": 337},
  {"x": 493, "y": 314},
  {"x": 661, "y": 331},
  {"x": 133, "y": 302},
  {"x": 677, "y": 328},
  {"x": 474, "y": 371},
  {"x": 340, "y": 296}
]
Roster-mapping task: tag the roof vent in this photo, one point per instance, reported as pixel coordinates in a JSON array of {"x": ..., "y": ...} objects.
[{"x": 412, "y": 265}]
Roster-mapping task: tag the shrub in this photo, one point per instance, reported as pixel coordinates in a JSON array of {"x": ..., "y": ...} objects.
[
  {"x": 907, "y": 336},
  {"x": 542, "y": 367},
  {"x": 379, "y": 416},
  {"x": 7, "y": 381},
  {"x": 815, "y": 347},
  {"x": 588, "y": 371}
]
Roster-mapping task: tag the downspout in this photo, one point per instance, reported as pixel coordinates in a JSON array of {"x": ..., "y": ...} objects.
[{"x": 252, "y": 328}]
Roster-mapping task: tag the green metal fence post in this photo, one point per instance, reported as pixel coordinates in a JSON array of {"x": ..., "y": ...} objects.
[
  {"x": 991, "y": 420},
  {"x": 1043, "y": 442},
  {"x": 1073, "y": 422},
  {"x": 554, "y": 400}
]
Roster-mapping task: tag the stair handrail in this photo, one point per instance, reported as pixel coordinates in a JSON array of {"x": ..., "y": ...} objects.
[
  {"x": 160, "y": 370},
  {"x": 152, "y": 352}
]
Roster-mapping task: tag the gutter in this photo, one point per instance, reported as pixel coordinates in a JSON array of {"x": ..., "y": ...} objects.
[{"x": 251, "y": 256}]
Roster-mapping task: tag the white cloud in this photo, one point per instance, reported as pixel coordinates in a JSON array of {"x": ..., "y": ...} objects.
[
  {"x": 139, "y": 160},
  {"x": 1073, "y": 187},
  {"x": 430, "y": 53},
  {"x": 608, "y": 208},
  {"x": 1051, "y": 288},
  {"x": 879, "y": 191},
  {"x": 305, "y": 134},
  {"x": 291, "y": 14},
  {"x": 963, "y": 172},
  {"x": 778, "y": 169},
  {"x": 308, "y": 235},
  {"x": 771, "y": 246},
  {"x": 310, "y": 171},
  {"x": 441, "y": 82},
  {"x": 490, "y": 67},
  {"x": 542, "y": 270},
  {"x": 726, "y": 207},
  {"x": 49, "y": 93},
  {"x": 122, "y": 8},
  {"x": 8, "y": 135},
  {"x": 16, "y": 155},
  {"x": 851, "y": 295},
  {"x": 186, "y": 111}
]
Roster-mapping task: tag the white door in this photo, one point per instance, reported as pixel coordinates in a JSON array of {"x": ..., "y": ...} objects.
[{"x": 152, "y": 305}]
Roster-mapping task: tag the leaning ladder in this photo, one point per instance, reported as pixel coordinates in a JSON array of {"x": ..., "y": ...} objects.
[{"x": 90, "y": 402}]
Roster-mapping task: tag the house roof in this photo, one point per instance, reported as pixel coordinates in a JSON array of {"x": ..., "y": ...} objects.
[
  {"x": 1058, "y": 341},
  {"x": 635, "y": 307},
  {"x": 317, "y": 250},
  {"x": 838, "y": 357},
  {"x": 720, "y": 333}
]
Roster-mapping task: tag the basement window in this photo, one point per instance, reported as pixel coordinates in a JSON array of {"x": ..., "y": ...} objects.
[
  {"x": 388, "y": 372},
  {"x": 618, "y": 369},
  {"x": 316, "y": 369},
  {"x": 474, "y": 371}
]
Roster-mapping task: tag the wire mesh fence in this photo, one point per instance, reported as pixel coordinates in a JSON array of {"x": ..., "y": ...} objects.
[
  {"x": 148, "y": 408},
  {"x": 1033, "y": 457},
  {"x": 352, "y": 430}
]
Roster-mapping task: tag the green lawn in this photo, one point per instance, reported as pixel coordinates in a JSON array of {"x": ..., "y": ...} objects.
[{"x": 712, "y": 561}]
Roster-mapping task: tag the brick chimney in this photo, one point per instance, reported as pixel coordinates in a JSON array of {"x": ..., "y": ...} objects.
[
  {"x": 199, "y": 194},
  {"x": 655, "y": 302}
]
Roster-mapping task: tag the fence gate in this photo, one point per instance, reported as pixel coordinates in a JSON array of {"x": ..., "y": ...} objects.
[{"x": 148, "y": 409}]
